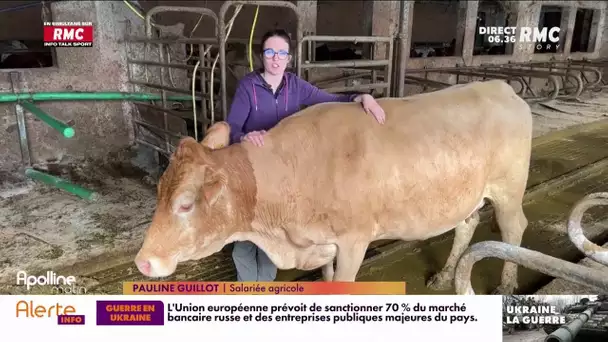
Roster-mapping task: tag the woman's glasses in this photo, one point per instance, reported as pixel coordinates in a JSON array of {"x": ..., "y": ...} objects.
[{"x": 270, "y": 53}]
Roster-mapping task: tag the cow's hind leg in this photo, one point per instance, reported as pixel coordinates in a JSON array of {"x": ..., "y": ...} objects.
[
  {"x": 464, "y": 231},
  {"x": 512, "y": 222}
]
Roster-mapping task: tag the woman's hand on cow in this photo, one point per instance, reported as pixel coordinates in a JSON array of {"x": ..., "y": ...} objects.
[
  {"x": 255, "y": 137},
  {"x": 372, "y": 107}
]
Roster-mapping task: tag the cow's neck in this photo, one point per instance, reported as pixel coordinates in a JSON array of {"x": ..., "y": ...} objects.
[{"x": 241, "y": 183}]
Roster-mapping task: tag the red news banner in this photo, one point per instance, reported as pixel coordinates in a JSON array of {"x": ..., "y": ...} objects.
[{"x": 68, "y": 34}]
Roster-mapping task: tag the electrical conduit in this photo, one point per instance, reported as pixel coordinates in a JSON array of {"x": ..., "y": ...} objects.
[
  {"x": 255, "y": 20},
  {"x": 59, "y": 126},
  {"x": 86, "y": 96},
  {"x": 62, "y": 184}
]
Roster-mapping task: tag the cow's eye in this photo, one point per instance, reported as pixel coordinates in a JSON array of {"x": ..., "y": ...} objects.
[{"x": 184, "y": 208}]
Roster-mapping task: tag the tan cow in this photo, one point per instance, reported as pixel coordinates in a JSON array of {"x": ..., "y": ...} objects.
[{"x": 330, "y": 180}]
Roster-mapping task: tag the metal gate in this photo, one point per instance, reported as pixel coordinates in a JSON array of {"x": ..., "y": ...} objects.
[
  {"x": 376, "y": 81},
  {"x": 160, "y": 125}
]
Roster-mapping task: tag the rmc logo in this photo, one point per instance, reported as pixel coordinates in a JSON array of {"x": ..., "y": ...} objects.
[
  {"x": 540, "y": 37},
  {"x": 61, "y": 284},
  {"x": 60, "y": 33}
]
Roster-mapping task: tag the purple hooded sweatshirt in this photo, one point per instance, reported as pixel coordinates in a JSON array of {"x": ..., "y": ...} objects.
[{"x": 256, "y": 108}]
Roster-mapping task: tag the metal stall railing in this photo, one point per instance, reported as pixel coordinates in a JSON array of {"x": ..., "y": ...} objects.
[
  {"x": 572, "y": 66},
  {"x": 593, "y": 63},
  {"x": 376, "y": 82},
  {"x": 582, "y": 275},
  {"x": 525, "y": 90},
  {"x": 526, "y": 70},
  {"x": 166, "y": 75},
  {"x": 223, "y": 37},
  {"x": 569, "y": 68},
  {"x": 568, "y": 79}
]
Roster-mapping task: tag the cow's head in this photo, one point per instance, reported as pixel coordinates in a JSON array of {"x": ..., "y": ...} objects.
[{"x": 194, "y": 209}]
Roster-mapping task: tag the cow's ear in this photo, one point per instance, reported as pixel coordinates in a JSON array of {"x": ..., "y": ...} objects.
[
  {"x": 217, "y": 136},
  {"x": 214, "y": 185},
  {"x": 187, "y": 147}
]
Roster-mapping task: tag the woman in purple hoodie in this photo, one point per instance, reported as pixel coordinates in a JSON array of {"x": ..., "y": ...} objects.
[{"x": 262, "y": 99}]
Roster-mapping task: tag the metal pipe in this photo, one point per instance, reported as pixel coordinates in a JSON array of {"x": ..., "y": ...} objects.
[
  {"x": 62, "y": 184},
  {"x": 169, "y": 65},
  {"x": 203, "y": 84},
  {"x": 222, "y": 36},
  {"x": 522, "y": 73},
  {"x": 529, "y": 259},
  {"x": 159, "y": 108},
  {"x": 539, "y": 74},
  {"x": 389, "y": 69},
  {"x": 321, "y": 83},
  {"x": 493, "y": 73},
  {"x": 427, "y": 82},
  {"x": 347, "y": 64},
  {"x": 154, "y": 147},
  {"x": 163, "y": 93},
  {"x": 477, "y": 74},
  {"x": 85, "y": 96},
  {"x": 599, "y": 63},
  {"x": 575, "y": 230},
  {"x": 186, "y": 41},
  {"x": 164, "y": 88},
  {"x": 568, "y": 66},
  {"x": 488, "y": 75},
  {"x": 580, "y": 85},
  {"x": 57, "y": 125},
  {"x": 152, "y": 127},
  {"x": 568, "y": 332},
  {"x": 21, "y": 124},
  {"x": 358, "y": 87},
  {"x": 404, "y": 49},
  {"x": 354, "y": 39}
]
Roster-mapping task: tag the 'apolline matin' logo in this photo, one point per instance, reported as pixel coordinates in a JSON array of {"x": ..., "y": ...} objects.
[{"x": 61, "y": 284}]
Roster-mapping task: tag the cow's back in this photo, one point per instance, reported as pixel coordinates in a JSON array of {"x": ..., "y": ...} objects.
[{"x": 431, "y": 162}]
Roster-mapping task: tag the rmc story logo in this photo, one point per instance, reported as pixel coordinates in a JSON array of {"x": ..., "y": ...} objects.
[
  {"x": 60, "y": 284},
  {"x": 543, "y": 39}
]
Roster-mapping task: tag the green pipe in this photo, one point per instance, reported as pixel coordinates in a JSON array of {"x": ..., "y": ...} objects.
[
  {"x": 62, "y": 184},
  {"x": 61, "y": 127},
  {"x": 87, "y": 96}
]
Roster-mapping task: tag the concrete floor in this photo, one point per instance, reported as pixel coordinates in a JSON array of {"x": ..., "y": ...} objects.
[{"x": 44, "y": 228}]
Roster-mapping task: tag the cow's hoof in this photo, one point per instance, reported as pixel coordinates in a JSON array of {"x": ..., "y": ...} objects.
[
  {"x": 441, "y": 281},
  {"x": 504, "y": 290}
]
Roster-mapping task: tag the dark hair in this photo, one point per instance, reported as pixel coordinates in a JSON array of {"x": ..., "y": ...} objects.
[{"x": 276, "y": 33}]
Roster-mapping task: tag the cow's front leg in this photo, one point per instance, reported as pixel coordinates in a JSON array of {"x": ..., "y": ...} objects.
[
  {"x": 328, "y": 271},
  {"x": 350, "y": 257}
]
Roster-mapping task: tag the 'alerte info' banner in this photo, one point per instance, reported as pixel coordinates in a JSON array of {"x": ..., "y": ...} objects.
[{"x": 307, "y": 311}]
